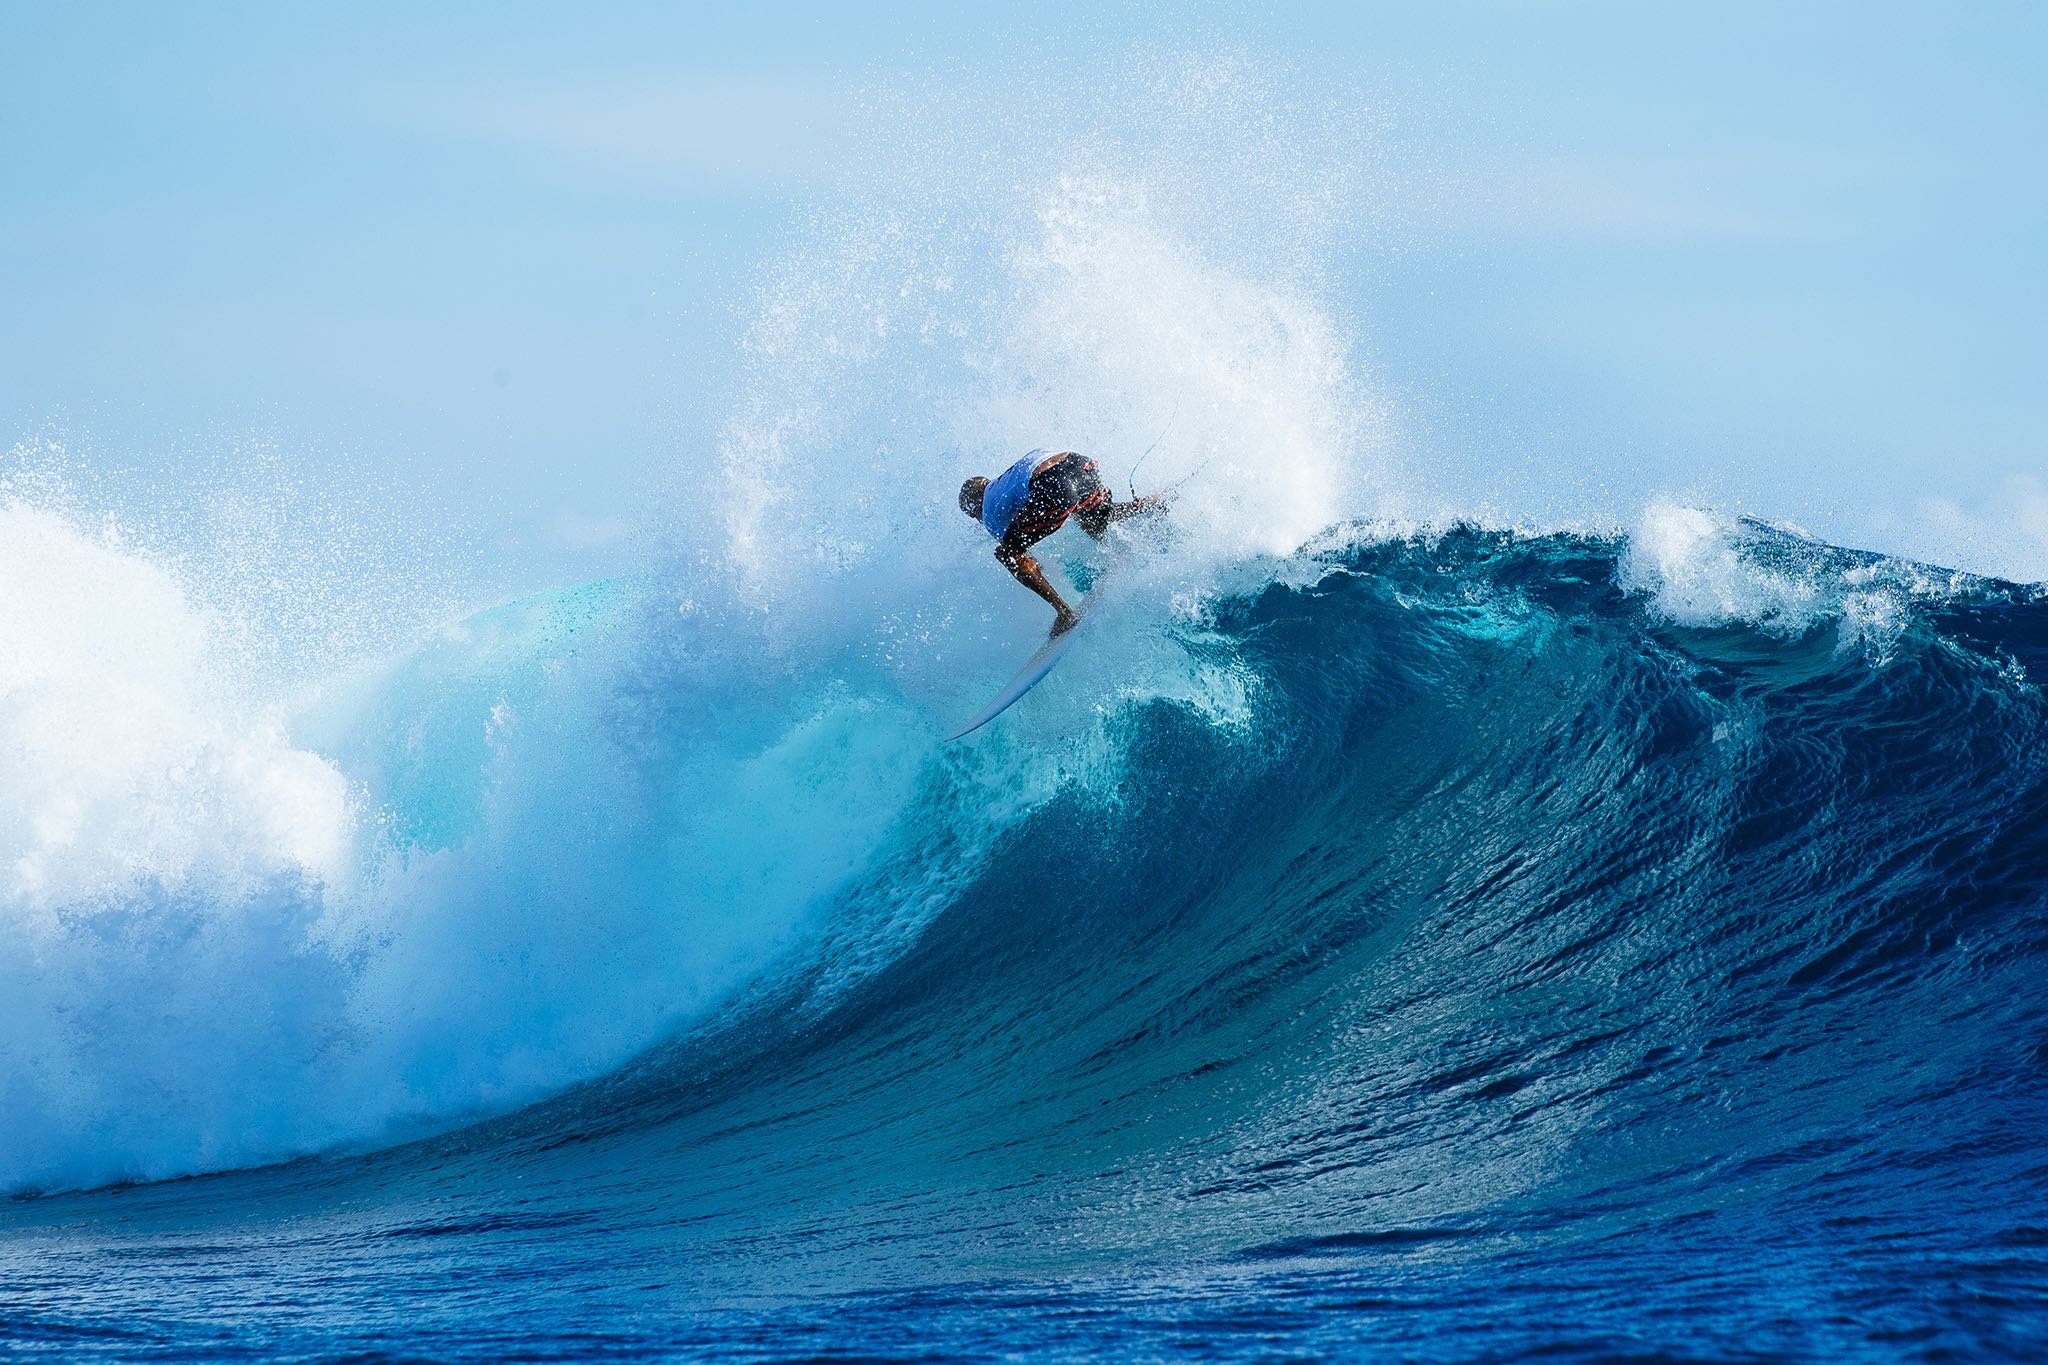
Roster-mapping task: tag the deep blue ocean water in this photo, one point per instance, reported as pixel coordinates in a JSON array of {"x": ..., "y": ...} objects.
[{"x": 1526, "y": 967}]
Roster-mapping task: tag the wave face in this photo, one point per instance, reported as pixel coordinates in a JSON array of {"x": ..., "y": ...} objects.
[{"x": 1439, "y": 946}]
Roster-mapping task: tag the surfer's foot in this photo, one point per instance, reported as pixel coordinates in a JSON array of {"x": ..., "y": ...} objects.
[{"x": 1068, "y": 620}]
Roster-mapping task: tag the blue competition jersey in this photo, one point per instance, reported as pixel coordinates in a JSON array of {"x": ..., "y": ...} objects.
[{"x": 1006, "y": 493}]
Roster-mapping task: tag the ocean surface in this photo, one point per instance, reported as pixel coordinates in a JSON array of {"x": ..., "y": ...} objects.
[{"x": 1424, "y": 944}]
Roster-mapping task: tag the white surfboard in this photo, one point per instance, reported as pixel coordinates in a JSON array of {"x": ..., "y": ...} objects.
[{"x": 1036, "y": 667}]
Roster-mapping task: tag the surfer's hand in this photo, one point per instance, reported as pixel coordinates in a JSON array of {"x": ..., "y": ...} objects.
[{"x": 1068, "y": 620}]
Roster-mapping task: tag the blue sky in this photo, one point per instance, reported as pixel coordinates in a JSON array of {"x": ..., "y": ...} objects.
[{"x": 1788, "y": 258}]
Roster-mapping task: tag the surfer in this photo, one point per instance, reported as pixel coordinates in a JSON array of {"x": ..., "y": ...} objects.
[{"x": 1033, "y": 498}]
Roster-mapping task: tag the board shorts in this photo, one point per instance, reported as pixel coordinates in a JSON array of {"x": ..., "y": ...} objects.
[{"x": 1071, "y": 488}]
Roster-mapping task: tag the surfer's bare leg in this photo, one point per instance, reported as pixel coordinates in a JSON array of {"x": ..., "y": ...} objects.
[{"x": 1027, "y": 572}]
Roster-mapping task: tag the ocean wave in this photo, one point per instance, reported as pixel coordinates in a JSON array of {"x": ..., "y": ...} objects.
[{"x": 1524, "y": 847}]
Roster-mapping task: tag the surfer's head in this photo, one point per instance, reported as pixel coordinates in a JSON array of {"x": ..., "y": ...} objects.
[{"x": 970, "y": 496}]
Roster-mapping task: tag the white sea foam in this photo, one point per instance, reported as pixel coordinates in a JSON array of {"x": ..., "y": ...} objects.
[
  {"x": 163, "y": 849},
  {"x": 1688, "y": 560},
  {"x": 502, "y": 863},
  {"x": 1701, "y": 569},
  {"x": 128, "y": 759}
]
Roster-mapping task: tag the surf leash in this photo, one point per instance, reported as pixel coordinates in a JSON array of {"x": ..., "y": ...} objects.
[
  {"x": 1172, "y": 490},
  {"x": 1133, "y": 480}
]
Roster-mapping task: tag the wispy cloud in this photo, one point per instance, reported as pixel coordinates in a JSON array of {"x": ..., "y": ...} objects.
[
  {"x": 1663, "y": 198},
  {"x": 2006, "y": 534},
  {"x": 697, "y": 130}
]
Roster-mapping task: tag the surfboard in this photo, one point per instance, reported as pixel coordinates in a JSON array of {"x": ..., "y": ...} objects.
[{"x": 1034, "y": 669}]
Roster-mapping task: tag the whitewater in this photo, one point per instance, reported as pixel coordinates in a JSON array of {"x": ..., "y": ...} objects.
[{"x": 1400, "y": 928}]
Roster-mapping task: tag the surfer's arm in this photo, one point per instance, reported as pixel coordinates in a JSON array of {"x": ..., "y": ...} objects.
[{"x": 1026, "y": 571}]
